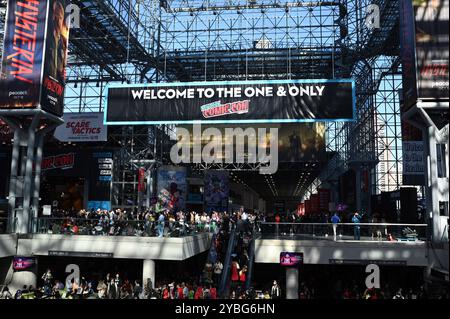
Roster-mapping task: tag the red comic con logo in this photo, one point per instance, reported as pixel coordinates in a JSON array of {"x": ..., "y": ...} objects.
[{"x": 217, "y": 109}]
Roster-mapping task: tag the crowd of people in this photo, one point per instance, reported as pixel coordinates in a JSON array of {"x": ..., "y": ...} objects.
[
  {"x": 113, "y": 287},
  {"x": 164, "y": 223},
  {"x": 136, "y": 223}
]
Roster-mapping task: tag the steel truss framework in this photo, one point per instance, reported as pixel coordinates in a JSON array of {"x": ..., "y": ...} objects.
[{"x": 138, "y": 41}]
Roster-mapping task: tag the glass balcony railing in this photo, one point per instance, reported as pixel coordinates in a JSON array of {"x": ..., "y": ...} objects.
[
  {"x": 140, "y": 228},
  {"x": 343, "y": 231}
]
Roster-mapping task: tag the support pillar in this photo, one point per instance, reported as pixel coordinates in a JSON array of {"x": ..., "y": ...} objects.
[
  {"x": 358, "y": 189},
  {"x": 291, "y": 283},
  {"x": 13, "y": 181},
  {"x": 148, "y": 272},
  {"x": 37, "y": 179},
  {"x": 24, "y": 222},
  {"x": 435, "y": 185}
]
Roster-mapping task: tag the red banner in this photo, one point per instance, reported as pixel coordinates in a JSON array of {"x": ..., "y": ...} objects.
[
  {"x": 307, "y": 206},
  {"x": 315, "y": 204},
  {"x": 324, "y": 199},
  {"x": 141, "y": 180}
]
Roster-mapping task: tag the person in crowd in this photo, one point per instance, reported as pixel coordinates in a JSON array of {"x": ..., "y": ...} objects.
[
  {"x": 356, "y": 220},
  {"x": 235, "y": 268},
  {"x": 218, "y": 267},
  {"x": 275, "y": 291},
  {"x": 161, "y": 222},
  {"x": 399, "y": 294},
  {"x": 213, "y": 292},
  {"x": 335, "y": 220},
  {"x": 101, "y": 289},
  {"x": 243, "y": 275}
]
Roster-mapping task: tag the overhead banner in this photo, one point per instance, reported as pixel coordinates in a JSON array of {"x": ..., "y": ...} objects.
[
  {"x": 35, "y": 55},
  {"x": 82, "y": 127},
  {"x": 232, "y": 102}
]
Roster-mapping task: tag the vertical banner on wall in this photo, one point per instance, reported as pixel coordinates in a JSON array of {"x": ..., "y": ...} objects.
[
  {"x": 171, "y": 187},
  {"x": 315, "y": 204},
  {"x": 432, "y": 41},
  {"x": 408, "y": 53},
  {"x": 100, "y": 177},
  {"x": 307, "y": 206},
  {"x": 324, "y": 199},
  {"x": 34, "y": 55},
  {"x": 216, "y": 190},
  {"x": 141, "y": 179},
  {"x": 424, "y": 43}
]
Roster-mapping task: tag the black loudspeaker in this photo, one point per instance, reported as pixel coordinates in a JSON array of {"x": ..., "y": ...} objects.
[
  {"x": 388, "y": 208},
  {"x": 408, "y": 205}
]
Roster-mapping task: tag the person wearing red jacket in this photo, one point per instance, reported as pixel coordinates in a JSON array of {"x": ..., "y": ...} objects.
[
  {"x": 213, "y": 292},
  {"x": 199, "y": 293},
  {"x": 180, "y": 292}
]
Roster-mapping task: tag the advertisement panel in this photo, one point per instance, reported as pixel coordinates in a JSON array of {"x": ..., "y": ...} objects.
[
  {"x": 56, "y": 49},
  {"x": 21, "y": 263},
  {"x": 82, "y": 127},
  {"x": 408, "y": 53},
  {"x": 100, "y": 176},
  {"x": 231, "y": 102},
  {"x": 217, "y": 190},
  {"x": 171, "y": 188},
  {"x": 424, "y": 41},
  {"x": 35, "y": 55},
  {"x": 289, "y": 259},
  {"x": 413, "y": 162},
  {"x": 432, "y": 47}
]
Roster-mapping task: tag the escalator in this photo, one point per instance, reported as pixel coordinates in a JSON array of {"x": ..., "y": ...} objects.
[
  {"x": 224, "y": 281},
  {"x": 248, "y": 242}
]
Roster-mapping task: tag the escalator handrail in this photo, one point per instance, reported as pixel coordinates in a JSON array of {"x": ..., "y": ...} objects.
[
  {"x": 251, "y": 257},
  {"x": 227, "y": 262}
]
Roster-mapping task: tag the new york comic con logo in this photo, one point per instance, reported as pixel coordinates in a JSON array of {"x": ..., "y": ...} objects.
[{"x": 215, "y": 109}]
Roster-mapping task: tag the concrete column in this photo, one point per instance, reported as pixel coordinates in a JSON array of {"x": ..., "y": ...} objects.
[
  {"x": 291, "y": 283},
  {"x": 13, "y": 180},
  {"x": 37, "y": 180},
  {"x": 435, "y": 186},
  {"x": 148, "y": 272}
]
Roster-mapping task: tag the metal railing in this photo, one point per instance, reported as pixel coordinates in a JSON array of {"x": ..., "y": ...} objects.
[
  {"x": 98, "y": 227},
  {"x": 344, "y": 231}
]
